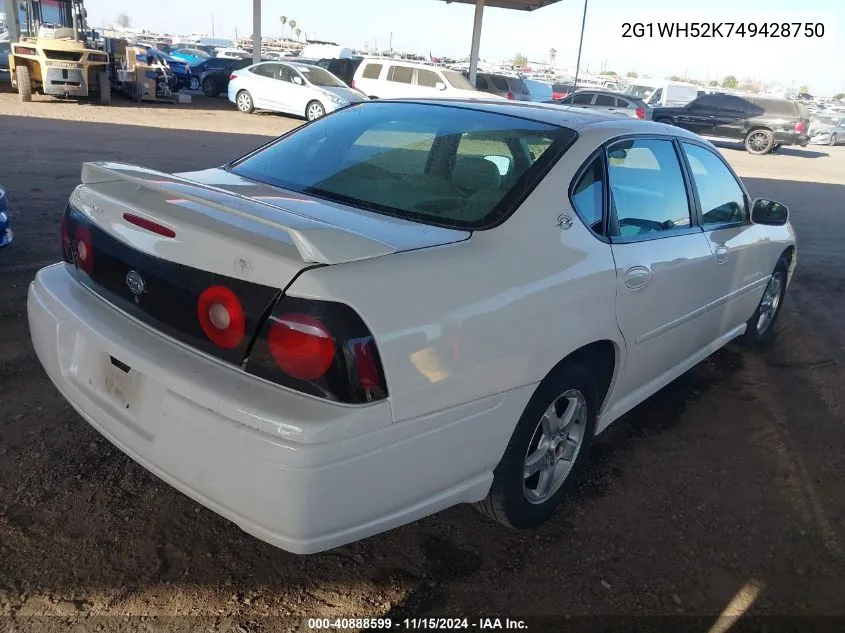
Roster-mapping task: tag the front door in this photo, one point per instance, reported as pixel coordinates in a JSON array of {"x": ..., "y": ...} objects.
[
  {"x": 663, "y": 262},
  {"x": 739, "y": 265},
  {"x": 700, "y": 115}
]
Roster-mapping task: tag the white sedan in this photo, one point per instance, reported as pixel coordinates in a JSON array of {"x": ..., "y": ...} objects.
[
  {"x": 401, "y": 307},
  {"x": 290, "y": 88}
]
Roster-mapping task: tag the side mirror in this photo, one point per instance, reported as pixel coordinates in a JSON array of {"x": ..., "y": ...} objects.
[
  {"x": 297, "y": 81},
  {"x": 764, "y": 211},
  {"x": 440, "y": 85}
]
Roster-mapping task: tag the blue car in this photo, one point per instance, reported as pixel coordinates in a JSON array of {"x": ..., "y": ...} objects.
[
  {"x": 5, "y": 231},
  {"x": 178, "y": 67},
  {"x": 190, "y": 54}
]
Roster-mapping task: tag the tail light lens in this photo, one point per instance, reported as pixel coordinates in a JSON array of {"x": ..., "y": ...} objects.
[
  {"x": 83, "y": 250},
  {"x": 233, "y": 76},
  {"x": 799, "y": 127},
  {"x": 511, "y": 97},
  {"x": 67, "y": 254},
  {"x": 640, "y": 113},
  {"x": 221, "y": 317},
  {"x": 353, "y": 84},
  {"x": 319, "y": 347}
]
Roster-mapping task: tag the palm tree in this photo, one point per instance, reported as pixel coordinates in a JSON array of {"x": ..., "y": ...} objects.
[
  {"x": 552, "y": 55},
  {"x": 283, "y": 20},
  {"x": 292, "y": 25},
  {"x": 298, "y": 33}
]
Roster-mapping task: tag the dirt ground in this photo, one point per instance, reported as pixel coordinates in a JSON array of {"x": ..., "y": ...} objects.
[{"x": 726, "y": 490}]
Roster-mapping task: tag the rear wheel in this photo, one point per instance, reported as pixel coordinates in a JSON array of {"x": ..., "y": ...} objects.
[
  {"x": 244, "y": 102},
  {"x": 24, "y": 83},
  {"x": 209, "y": 87},
  {"x": 105, "y": 88},
  {"x": 546, "y": 450},
  {"x": 759, "y": 141},
  {"x": 832, "y": 139},
  {"x": 314, "y": 110}
]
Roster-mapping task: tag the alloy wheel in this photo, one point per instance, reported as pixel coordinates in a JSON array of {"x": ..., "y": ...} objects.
[
  {"x": 554, "y": 447},
  {"x": 315, "y": 111},
  {"x": 758, "y": 141},
  {"x": 770, "y": 303}
]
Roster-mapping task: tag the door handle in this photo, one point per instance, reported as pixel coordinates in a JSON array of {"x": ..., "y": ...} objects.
[
  {"x": 637, "y": 277},
  {"x": 721, "y": 254}
]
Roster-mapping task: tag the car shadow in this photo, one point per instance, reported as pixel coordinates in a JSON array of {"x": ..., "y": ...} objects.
[{"x": 786, "y": 151}]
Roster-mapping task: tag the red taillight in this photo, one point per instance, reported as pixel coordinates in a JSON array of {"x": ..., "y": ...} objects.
[
  {"x": 511, "y": 97},
  {"x": 233, "y": 76},
  {"x": 301, "y": 345},
  {"x": 83, "y": 249},
  {"x": 22, "y": 50},
  {"x": 366, "y": 362},
  {"x": 799, "y": 127},
  {"x": 640, "y": 113},
  {"x": 67, "y": 254},
  {"x": 221, "y": 317},
  {"x": 149, "y": 225},
  {"x": 353, "y": 83}
]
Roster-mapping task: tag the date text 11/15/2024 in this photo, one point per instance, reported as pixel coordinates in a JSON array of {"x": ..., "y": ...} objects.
[{"x": 430, "y": 624}]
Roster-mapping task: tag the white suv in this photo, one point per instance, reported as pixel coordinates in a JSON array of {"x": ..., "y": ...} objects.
[{"x": 393, "y": 79}]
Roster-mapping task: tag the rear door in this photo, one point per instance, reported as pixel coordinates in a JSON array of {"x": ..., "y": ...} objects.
[
  {"x": 731, "y": 117},
  {"x": 604, "y": 102},
  {"x": 400, "y": 81},
  {"x": 262, "y": 84},
  {"x": 582, "y": 99},
  {"x": 663, "y": 261}
]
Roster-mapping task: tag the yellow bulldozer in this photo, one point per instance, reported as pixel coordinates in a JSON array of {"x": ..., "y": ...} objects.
[{"x": 50, "y": 52}]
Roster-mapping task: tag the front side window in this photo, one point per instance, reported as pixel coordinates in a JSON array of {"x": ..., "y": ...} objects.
[
  {"x": 606, "y": 101},
  {"x": 582, "y": 98},
  {"x": 285, "y": 73},
  {"x": 400, "y": 74},
  {"x": 648, "y": 194},
  {"x": 427, "y": 78},
  {"x": 372, "y": 71},
  {"x": 588, "y": 196},
  {"x": 719, "y": 194},
  {"x": 441, "y": 165}
]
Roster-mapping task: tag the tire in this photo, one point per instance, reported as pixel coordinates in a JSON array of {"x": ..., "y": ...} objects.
[
  {"x": 314, "y": 110},
  {"x": 244, "y": 102},
  {"x": 24, "y": 83},
  {"x": 759, "y": 330},
  {"x": 105, "y": 88},
  {"x": 759, "y": 141},
  {"x": 209, "y": 87},
  {"x": 832, "y": 139},
  {"x": 519, "y": 502},
  {"x": 195, "y": 82}
]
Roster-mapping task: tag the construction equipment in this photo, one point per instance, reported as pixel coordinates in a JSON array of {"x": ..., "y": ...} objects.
[{"x": 50, "y": 53}]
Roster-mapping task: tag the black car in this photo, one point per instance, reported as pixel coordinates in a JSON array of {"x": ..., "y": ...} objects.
[
  {"x": 342, "y": 68},
  {"x": 5, "y": 49},
  {"x": 212, "y": 75},
  {"x": 762, "y": 123}
]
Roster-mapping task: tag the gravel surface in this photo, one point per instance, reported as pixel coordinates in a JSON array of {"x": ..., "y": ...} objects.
[{"x": 727, "y": 485}]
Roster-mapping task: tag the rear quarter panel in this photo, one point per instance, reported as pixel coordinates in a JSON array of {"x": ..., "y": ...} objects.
[{"x": 485, "y": 316}]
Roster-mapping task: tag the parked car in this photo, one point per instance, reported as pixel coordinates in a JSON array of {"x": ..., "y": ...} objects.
[
  {"x": 190, "y": 54},
  {"x": 253, "y": 334},
  {"x": 212, "y": 75},
  {"x": 761, "y": 123},
  {"x": 178, "y": 67},
  {"x": 233, "y": 53},
  {"x": 507, "y": 86},
  {"x": 827, "y": 129},
  {"x": 395, "y": 79},
  {"x": 608, "y": 102},
  {"x": 671, "y": 94},
  {"x": 540, "y": 91},
  {"x": 562, "y": 90},
  {"x": 342, "y": 68},
  {"x": 5, "y": 231},
  {"x": 290, "y": 88}
]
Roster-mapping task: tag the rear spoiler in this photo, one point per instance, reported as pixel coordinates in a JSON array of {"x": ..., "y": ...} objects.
[{"x": 317, "y": 242}]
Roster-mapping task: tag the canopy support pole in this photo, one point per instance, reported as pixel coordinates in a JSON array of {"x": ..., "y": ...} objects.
[
  {"x": 256, "y": 31},
  {"x": 476, "y": 40}
]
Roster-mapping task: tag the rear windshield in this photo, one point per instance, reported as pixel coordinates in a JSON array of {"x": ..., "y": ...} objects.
[{"x": 437, "y": 164}]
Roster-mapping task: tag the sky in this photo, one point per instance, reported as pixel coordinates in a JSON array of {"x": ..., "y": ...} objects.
[{"x": 445, "y": 30}]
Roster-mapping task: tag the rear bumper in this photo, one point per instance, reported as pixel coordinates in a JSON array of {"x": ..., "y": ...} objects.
[
  {"x": 791, "y": 138},
  {"x": 300, "y": 473}
]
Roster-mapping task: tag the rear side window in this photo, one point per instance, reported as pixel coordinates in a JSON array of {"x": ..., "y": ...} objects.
[
  {"x": 427, "y": 78},
  {"x": 501, "y": 83},
  {"x": 400, "y": 74},
  {"x": 442, "y": 165},
  {"x": 719, "y": 194},
  {"x": 372, "y": 71},
  {"x": 648, "y": 194},
  {"x": 588, "y": 195},
  {"x": 731, "y": 103}
]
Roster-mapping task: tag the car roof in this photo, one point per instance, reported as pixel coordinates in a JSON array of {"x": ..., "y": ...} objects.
[
  {"x": 564, "y": 116},
  {"x": 400, "y": 62}
]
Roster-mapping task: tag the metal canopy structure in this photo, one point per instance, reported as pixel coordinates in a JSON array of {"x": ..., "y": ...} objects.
[{"x": 519, "y": 5}]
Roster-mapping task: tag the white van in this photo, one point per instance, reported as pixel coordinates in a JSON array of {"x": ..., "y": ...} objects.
[
  {"x": 325, "y": 51},
  {"x": 672, "y": 94},
  {"x": 380, "y": 78}
]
